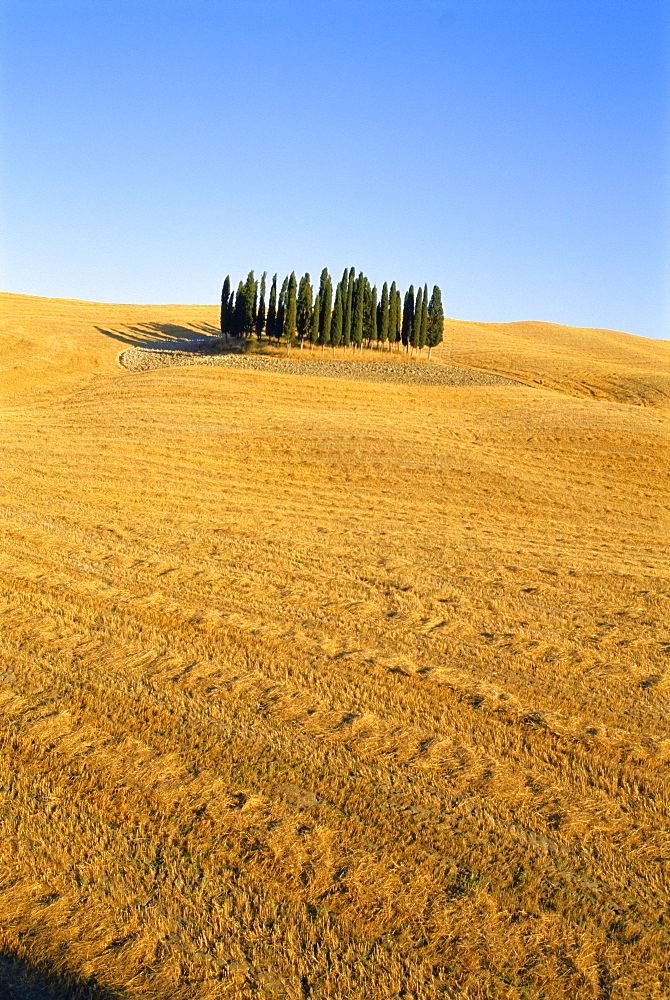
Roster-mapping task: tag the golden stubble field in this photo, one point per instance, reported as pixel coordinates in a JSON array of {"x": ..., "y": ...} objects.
[{"x": 327, "y": 689}]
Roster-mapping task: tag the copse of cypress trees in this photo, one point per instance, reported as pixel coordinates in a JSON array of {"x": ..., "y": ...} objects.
[
  {"x": 357, "y": 316},
  {"x": 435, "y": 330},
  {"x": 304, "y": 308},
  {"x": 260, "y": 315},
  {"x": 407, "y": 317}
]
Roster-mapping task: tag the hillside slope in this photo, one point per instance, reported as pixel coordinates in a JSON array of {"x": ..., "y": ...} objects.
[
  {"x": 46, "y": 343},
  {"x": 601, "y": 364},
  {"x": 324, "y": 688}
]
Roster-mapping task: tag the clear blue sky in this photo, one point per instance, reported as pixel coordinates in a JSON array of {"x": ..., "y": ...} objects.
[{"x": 512, "y": 151}]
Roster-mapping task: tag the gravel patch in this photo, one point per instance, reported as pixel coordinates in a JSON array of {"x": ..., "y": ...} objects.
[{"x": 142, "y": 359}]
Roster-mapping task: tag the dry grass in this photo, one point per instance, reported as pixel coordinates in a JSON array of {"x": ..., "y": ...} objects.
[
  {"x": 598, "y": 364},
  {"x": 316, "y": 688}
]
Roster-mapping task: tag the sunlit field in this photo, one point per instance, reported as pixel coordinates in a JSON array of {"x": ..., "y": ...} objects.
[{"x": 322, "y": 688}]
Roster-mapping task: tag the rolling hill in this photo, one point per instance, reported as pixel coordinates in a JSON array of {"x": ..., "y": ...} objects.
[{"x": 314, "y": 687}]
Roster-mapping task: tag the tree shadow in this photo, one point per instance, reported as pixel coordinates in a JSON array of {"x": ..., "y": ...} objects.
[
  {"x": 20, "y": 981},
  {"x": 164, "y": 335}
]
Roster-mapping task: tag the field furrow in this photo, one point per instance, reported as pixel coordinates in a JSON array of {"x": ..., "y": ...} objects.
[{"x": 323, "y": 688}]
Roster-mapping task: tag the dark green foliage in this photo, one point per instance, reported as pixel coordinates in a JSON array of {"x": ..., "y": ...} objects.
[
  {"x": 281, "y": 309},
  {"x": 383, "y": 320},
  {"x": 349, "y": 280},
  {"x": 336, "y": 329},
  {"x": 250, "y": 306},
  {"x": 326, "y": 306},
  {"x": 394, "y": 315},
  {"x": 407, "y": 316},
  {"x": 358, "y": 309},
  {"x": 415, "y": 332},
  {"x": 314, "y": 325},
  {"x": 271, "y": 326},
  {"x": 260, "y": 315},
  {"x": 370, "y": 327},
  {"x": 291, "y": 310},
  {"x": 242, "y": 316},
  {"x": 435, "y": 330},
  {"x": 225, "y": 307},
  {"x": 423, "y": 320},
  {"x": 304, "y": 308},
  {"x": 398, "y": 318},
  {"x": 239, "y": 312}
]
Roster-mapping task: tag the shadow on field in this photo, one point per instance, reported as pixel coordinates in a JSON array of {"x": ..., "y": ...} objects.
[
  {"x": 18, "y": 981},
  {"x": 164, "y": 335}
]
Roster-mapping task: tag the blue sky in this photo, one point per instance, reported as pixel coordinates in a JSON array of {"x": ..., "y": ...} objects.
[{"x": 512, "y": 151}]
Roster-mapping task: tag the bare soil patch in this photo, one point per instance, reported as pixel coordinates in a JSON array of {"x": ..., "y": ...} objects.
[{"x": 391, "y": 369}]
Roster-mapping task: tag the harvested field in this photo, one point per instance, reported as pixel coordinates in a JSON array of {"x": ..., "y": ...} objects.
[{"x": 317, "y": 687}]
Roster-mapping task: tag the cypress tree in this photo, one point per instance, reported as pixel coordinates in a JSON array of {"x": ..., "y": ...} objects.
[
  {"x": 415, "y": 334},
  {"x": 370, "y": 328},
  {"x": 314, "y": 325},
  {"x": 398, "y": 319},
  {"x": 336, "y": 330},
  {"x": 238, "y": 312},
  {"x": 423, "y": 327},
  {"x": 326, "y": 311},
  {"x": 272, "y": 310},
  {"x": 260, "y": 315},
  {"x": 407, "y": 317},
  {"x": 344, "y": 286},
  {"x": 290, "y": 312},
  {"x": 347, "y": 303},
  {"x": 231, "y": 309},
  {"x": 250, "y": 295},
  {"x": 358, "y": 310},
  {"x": 384, "y": 316},
  {"x": 304, "y": 308},
  {"x": 393, "y": 315},
  {"x": 225, "y": 301},
  {"x": 281, "y": 308},
  {"x": 435, "y": 330}
]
